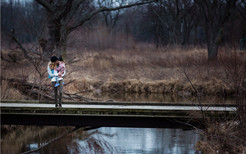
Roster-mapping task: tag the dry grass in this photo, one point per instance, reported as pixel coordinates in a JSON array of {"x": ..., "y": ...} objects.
[
  {"x": 212, "y": 87},
  {"x": 142, "y": 69},
  {"x": 10, "y": 93},
  {"x": 222, "y": 137},
  {"x": 136, "y": 64},
  {"x": 149, "y": 71}
]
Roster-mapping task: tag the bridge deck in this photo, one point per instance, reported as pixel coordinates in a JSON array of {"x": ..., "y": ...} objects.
[
  {"x": 126, "y": 106},
  {"x": 106, "y": 114}
]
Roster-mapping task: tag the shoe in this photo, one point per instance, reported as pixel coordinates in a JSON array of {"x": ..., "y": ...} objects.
[
  {"x": 57, "y": 84},
  {"x": 60, "y": 105},
  {"x": 56, "y": 105}
]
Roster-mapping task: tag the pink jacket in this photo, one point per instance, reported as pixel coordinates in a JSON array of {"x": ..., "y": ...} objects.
[{"x": 61, "y": 68}]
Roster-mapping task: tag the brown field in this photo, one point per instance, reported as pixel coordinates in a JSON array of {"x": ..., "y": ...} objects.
[{"x": 143, "y": 69}]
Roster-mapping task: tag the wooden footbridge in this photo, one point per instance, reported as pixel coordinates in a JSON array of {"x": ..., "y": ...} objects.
[{"x": 111, "y": 114}]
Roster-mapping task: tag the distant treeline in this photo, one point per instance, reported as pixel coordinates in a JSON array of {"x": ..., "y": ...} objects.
[{"x": 179, "y": 22}]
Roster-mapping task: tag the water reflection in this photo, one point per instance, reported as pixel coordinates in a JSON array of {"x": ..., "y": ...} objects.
[
  {"x": 18, "y": 139},
  {"x": 101, "y": 140},
  {"x": 145, "y": 140},
  {"x": 136, "y": 97}
]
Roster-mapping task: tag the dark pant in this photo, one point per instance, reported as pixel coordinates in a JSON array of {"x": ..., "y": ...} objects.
[{"x": 60, "y": 87}]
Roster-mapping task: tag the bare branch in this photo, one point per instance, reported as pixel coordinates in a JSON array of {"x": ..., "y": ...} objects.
[
  {"x": 89, "y": 16},
  {"x": 198, "y": 97},
  {"x": 242, "y": 10},
  {"x": 65, "y": 11},
  {"x": 75, "y": 6},
  {"x": 46, "y": 5},
  {"x": 12, "y": 35},
  {"x": 160, "y": 18},
  {"x": 53, "y": 140}
]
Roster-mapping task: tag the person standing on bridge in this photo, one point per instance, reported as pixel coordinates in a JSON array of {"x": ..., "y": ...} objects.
[{"x": 55, "y": 77}]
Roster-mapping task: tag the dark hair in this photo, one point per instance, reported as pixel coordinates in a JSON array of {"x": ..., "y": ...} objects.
[
  {"x": 60, "y": 59},
  {"x": 53, "y": 59}
]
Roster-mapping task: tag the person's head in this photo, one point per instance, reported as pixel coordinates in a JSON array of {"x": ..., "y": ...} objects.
[
  {"x": 60, "y": 59},
  {"x": 54, "y": 62},
  {"x": 53, "y": 59}
]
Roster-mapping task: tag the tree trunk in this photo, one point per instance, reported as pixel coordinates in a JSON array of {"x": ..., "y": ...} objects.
[
  {"x": 62, "y": 47},
  {"x": 214, "y": 43},
  {"x": 212, "y": 51},
  {"x": 53, "y": 36},
  {"x": 216, "y": 14},
  {"x": 195, "y": 38},
  {"x": 57, "y": 39},
  {"x": 60, "y": 13}
]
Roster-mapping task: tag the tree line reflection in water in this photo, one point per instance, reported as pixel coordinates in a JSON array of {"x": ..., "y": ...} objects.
[{"x": 161, "y": 98}]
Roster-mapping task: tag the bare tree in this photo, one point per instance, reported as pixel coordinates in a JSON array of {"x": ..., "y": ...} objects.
[
  {"x": 215, "y": 14},
  {"x": 242, "y": 9},
  {"x": 110, "y": 18},
  {"x": 174, "y": 20},
  {"x": 24, "y": 17},
  {"x": 64, "y": 16}
]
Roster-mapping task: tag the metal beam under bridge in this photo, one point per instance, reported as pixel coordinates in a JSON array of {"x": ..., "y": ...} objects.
[{"x": 101, "y": 114}]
